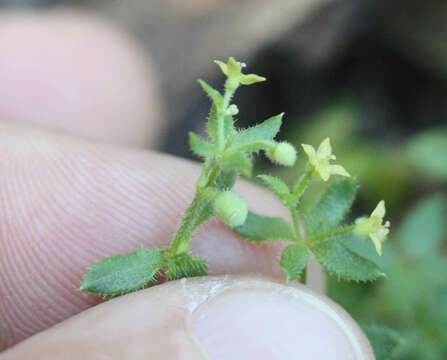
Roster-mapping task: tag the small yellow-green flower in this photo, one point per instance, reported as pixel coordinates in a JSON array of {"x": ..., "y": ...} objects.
[
  {"x": 319, "y": 160},
  {"x": 233, "y": 70},
  {"x": 374, "y": 227}
]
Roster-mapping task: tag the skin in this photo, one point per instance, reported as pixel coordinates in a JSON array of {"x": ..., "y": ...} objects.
[{"x": 68, "y": 201}]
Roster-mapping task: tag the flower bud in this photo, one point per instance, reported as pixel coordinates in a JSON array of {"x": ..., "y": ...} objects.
[
  {"x": 232, "y": 110},
  {"x": 230, "y": 208},
  {"x": 284, "y": 154}
]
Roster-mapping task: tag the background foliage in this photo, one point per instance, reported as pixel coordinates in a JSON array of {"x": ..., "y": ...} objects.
[{"x": 412, "y": 176}]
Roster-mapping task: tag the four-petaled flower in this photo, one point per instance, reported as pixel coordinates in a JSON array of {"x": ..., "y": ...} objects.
[
  {"x": 319, "y": 160},
  {"x": 233, "y": 70},
  {"x": 374, "y": 227}
]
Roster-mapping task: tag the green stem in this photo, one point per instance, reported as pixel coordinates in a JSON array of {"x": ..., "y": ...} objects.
[
  {"x": 182, "y": 238},
  {"x": 295, "y": 220},
  {"x": 330, "y": 234},
  {"x": 210, "y": 194},
  {"x": 213, "y": 175},
  {"x": 201, "y": 182},
  {"x": 210, "y": 171},
  {"x": 221, "y": 119},
  {"x": 227, "y": 98}
]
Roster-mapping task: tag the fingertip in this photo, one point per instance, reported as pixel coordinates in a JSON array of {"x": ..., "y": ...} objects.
[
  {"x": 70, "y": 203},
  {"x": 231, "y": 317},
  {"x": 78, "y": 72},
  {"x": 259, "y": 319}
]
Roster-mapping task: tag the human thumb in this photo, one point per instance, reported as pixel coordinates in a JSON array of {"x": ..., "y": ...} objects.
[{"x": 216, "y": 318}]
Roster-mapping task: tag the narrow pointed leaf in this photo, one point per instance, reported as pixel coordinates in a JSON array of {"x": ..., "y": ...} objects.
[
  {"x": 293, "y": 260},
  {"x": 185, "y": 266},
  {"x": 205, "y": 212},
  {"x": 332, "y": 207},
  {"x": 239, "y": 161},
  {"x": 266, "y": 130},
  {"x": 228, "y": 127},
  {"x": 215, "y": 96},
  {"x": 278, "y": 186},
  {"x": 264, "y": 228},
  {"x": 211, "y": 125},
  {"x": 339, "y": 260},
  {"x": 124, "y": 273},
  {"x": 383, "y": 340},
  {"x": 226, "y": 180},
  {"x": 201, "y": 147}
]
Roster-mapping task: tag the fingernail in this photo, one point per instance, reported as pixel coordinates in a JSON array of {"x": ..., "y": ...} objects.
[{"x": 273, "y": 321}]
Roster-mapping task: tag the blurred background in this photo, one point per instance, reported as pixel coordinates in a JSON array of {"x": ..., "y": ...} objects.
[{"x": 370, "y": 74}]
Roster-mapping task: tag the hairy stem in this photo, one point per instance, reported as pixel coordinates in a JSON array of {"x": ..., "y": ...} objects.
[
  {"x": 210, "y": 171},
  {"x": 203, "y": 178},
  {"x": 296, "y": 225},
  {"x": 183, "y": 235},
  {"x": 221, "y": 119},
  {"x": 213, "y": 175}
]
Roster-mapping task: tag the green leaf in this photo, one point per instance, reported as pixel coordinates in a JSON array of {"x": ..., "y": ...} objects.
[
  {"x": 332, "y": 207},
  {"x": 383, "y": 340},
  {"x": 205, "y": 212},
  {"x": 278, "y": 186},
  {"x": 124, "y": 273},
  {"x": 424, "y": 228},
  {"x": 212, "y": 125},
  {"x": 215, "y": 96},
  {"x": 185, "y": 266},
  {"x": 228, "y": 127},
  {"x": 338, "y": 259},
  {"x": 293, "y": 260},
  {"x": 427, "y": 153},
  {"x": 365, "y": 248},
  {"x": 259, "y": 134},
  {"x": 226, "y": 180},
  {"x": 201, "y": 147},
  {"x": 264, "y": 228},
  {"x": 239, "y": 161}
]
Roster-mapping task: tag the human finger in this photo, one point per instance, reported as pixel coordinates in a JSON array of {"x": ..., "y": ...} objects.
[
  {"x": 77, "y": 72},
  {"x": 66, "y": 203},
  {"x": 224, "y": 318}
]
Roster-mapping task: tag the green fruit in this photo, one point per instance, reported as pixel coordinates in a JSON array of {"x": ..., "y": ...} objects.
[
  {"x": 284, "y": 154},
  {"x": 230, "y": 208}
]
